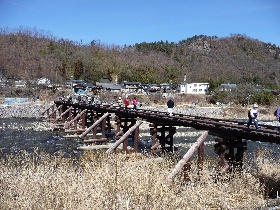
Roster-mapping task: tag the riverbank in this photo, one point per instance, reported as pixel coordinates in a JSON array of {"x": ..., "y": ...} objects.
[{"x": 26, "y": 110}]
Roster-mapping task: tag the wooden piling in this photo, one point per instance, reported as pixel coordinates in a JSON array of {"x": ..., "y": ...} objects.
[
  {"x": 47, "y": 110},
  {"x": 187, "y": 156},
  {"x": 125, "y": 136},
  {"x": 64, "y": 113},
  {"x": 67, "y": 124},
  {"x": 94, "y": 125},
  {"x": 52, "y": 115}
]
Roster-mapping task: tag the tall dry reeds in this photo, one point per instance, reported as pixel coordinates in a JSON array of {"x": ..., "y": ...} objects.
[
  {"x": 119, "y": 181},
  {"x": 266, "y": 167}
]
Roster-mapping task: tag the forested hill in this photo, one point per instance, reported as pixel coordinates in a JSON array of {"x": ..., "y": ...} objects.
[{"x": 234, "y": 59}]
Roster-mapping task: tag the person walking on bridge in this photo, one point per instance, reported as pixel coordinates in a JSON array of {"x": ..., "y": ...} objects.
[
  {"x": 120, "y": 101},
  {"x": 134, "y": 102},
  {"x": 277, "y": 113},
  {"x": 253, "y": 116},
  {"x": 126, "y": 103},
  {"x": 170, "y": 106}
]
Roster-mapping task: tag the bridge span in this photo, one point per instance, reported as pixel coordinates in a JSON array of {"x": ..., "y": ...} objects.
[
  {"x": 232, "y": 135},
  {"x": 227, "y": 129}
]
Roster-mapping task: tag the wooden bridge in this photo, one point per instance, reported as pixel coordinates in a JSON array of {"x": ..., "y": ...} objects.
[{"x": 231, "y": 135}]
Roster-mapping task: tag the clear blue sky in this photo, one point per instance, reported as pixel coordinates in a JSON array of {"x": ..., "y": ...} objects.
[{"x": 128, "y": 22}]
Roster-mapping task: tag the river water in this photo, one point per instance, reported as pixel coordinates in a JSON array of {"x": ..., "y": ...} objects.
[{"x": 28, "y": 134}]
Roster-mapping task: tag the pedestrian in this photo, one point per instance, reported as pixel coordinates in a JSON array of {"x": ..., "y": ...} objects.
[
  {"x": 126, "y": 103},
  {"x": 277, "y": 113},
  {"x": 92, "y": 99},
  {"x": 89, "y": 100},
  {"x": 253, "y": 116},
  {"x": 34, "y": 98},
  {"x": 120, "y": 101},
  {"x": 134, "y": 102},
  {"x": 79, "y": 98},
  {"x": 170, "y": 106},
  {"x": 62, "y": 98},
  {"x": 69, "y": 98}
]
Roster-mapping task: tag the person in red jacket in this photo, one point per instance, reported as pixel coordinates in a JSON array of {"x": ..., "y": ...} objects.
[{"x": 126, "y": 103}]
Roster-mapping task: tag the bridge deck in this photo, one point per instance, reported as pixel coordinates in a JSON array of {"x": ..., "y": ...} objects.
[{"x": 217, "y": 127}]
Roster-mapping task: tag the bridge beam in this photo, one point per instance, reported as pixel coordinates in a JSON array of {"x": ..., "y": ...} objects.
[
  {"x": 123, "y": 124},
  {"x": 123, "y": 138},
  {"x": 52, "y": 115},
  {"x": 166, "y": 137},
  {"x": 185, "y": 161},
  {"x": 231, "y": 153}
]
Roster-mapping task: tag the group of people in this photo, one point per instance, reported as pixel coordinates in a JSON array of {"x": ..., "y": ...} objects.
[
  {"x": 135, "y": 103},
  {"x": 252, "y": 113},
  {"x": 79, "y": 99},
  {"x": 253, "y": 116},
  {"x": 126, "y": 102}
]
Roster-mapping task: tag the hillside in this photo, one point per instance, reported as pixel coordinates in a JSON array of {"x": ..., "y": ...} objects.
[{"x": 236, "y": 59}]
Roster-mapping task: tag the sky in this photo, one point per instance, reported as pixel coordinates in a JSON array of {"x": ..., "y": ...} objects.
[{"x": 127, "y": 22}]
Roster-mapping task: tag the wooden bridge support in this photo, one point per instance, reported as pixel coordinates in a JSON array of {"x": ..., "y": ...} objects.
[
  {"x": 241, "y": 147},
  {"x": 75, "y": 120},
  {"x": 94, "y": 115},
  {"x": 47, "y": 111},
  {"x": 233, "y": 159},
  {"x": 165, "y": 141},
  {"x": 155, "y": 144},
  {"x": 52, "y": 115},
  {"x": 124, "y": 137},
  {"x": 184, "y": 163},
  {"x": 62, "y": 115},
  {"x": 200, "y": 159},
  {"x": 101, "y": 121},
  {"x": 136, "y": 138},
  {"x": 200, "y": 156},
  {"x": 123, "y": 124},
  {"x": 118, "y": 123}
]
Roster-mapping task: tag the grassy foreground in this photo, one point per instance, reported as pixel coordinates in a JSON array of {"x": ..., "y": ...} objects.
[{"x": 120, "y": 181}]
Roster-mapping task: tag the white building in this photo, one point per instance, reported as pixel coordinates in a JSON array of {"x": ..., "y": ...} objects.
[
  {"x": 43, "y": 81},
  {"x": 193, "y": 88},
  {"x": 20, "y": 84}
]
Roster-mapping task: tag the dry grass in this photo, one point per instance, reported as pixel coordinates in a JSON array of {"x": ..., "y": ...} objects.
[
  {"x": 267, "y": 168},
  {"x": 119, "y": 182}
]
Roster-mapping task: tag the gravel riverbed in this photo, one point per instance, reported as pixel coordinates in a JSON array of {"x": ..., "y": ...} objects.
[{"x": 27, "y": 110}]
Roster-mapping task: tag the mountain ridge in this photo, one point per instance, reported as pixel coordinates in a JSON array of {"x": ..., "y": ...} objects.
[{"x": 233, "y": 59}]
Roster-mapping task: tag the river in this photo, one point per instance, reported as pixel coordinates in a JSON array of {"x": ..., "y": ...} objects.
[
  {"x": 17, "y": 134},
  {"x": 28, "y": 134}
]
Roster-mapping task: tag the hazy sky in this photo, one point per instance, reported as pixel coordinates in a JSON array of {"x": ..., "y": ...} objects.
[{"x": 128, "y": 22}]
